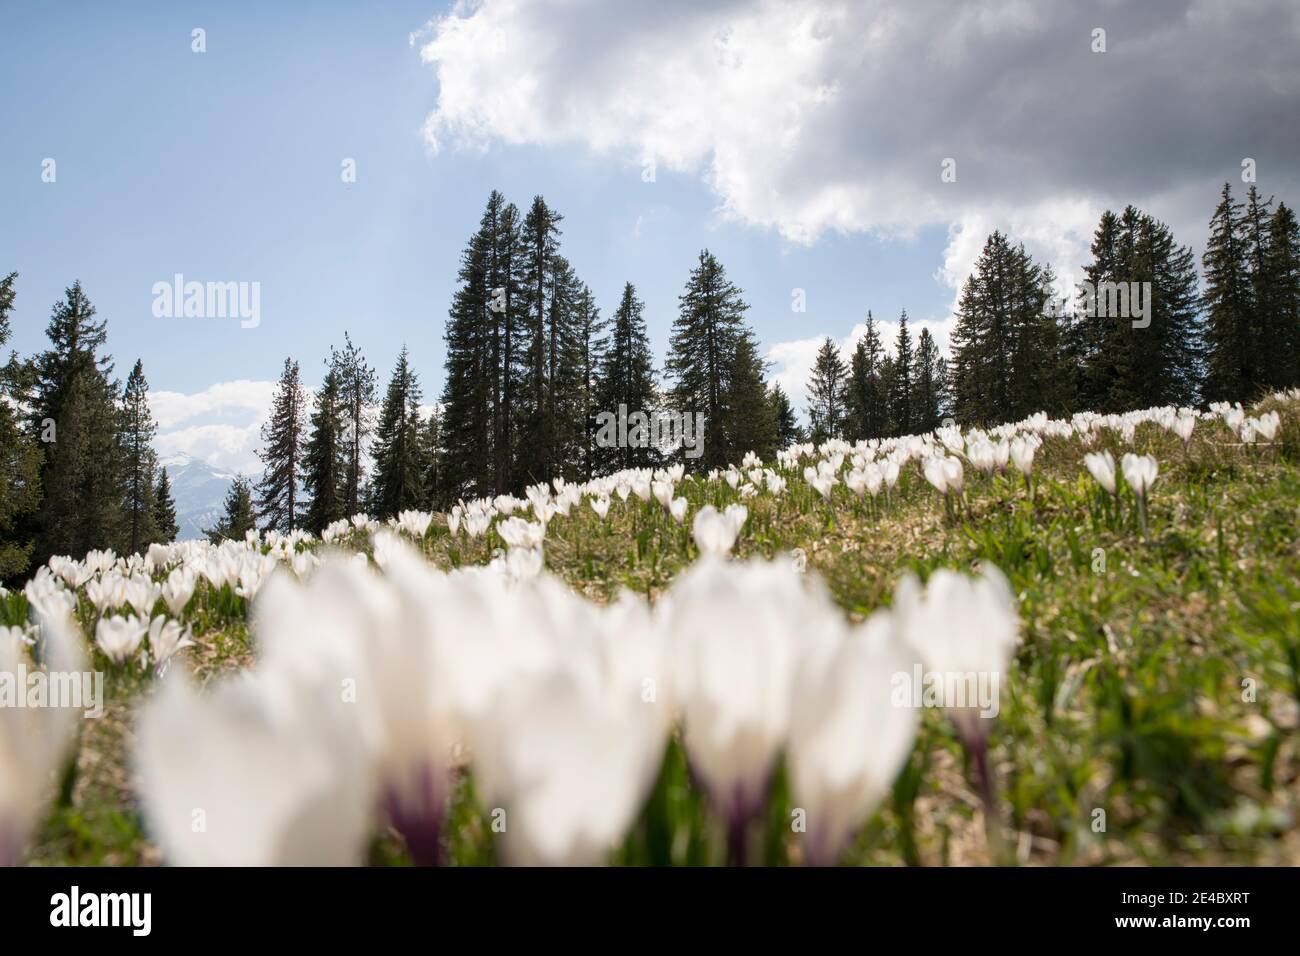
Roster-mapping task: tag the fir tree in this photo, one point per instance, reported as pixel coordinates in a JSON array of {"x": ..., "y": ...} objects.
[
  {"x": 1282, "y": 271},
  {"x": 788, "y": 431},
  {"x": 164, "y": 510},
  {"x": 431, "y": 458},
  {"x": 625, "y": 384},
  {"x": 281, "y": 453},
  {"x": 238, "y": 518},
  {"x": 138, "y": 431},
  {"x": 866, "y": 402},
  {"x": 709, "y": 324},
  {"x": 751, "y": 422},
  {"x": 1233, "y": 371},
  {"x": 592, "y": 343},
  {"x": 545, "y": 280},
  {"x": 901, "y": 398},
  {"x": 324, "y": 457},
  {"x": 926, "y": 408},
  {"x": 827, "y": 393},
  {"x": 74, "y": 412},
  {"x": 356, "y": 395},
  {"x": 20, "y": 455},
  {"x": 397, "y": 482}
]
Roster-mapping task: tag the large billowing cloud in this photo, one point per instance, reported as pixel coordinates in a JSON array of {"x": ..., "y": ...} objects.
[{"x": 837, "y": 114}]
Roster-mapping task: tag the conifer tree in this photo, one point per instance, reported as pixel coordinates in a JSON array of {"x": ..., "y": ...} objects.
[
  {"x": 592, "y": 344},
  {"x": 546, "y": 281},
  {"x": 281, "y": 453},
  {"x": 137, "y": 434},
  {"x": 238, "y": 518},
  {"x": 751, "y": 422},
  {"x": 865, "y": 401},
  {"x": 926, "y": 408},
  {"x": 625, "y": 385},
  {"x": 397, "y": 482},
  {"x": 1233, "y": 370},
  {"x": 709, "y": 324},
  {"x": 20, "y": 455},
  {"x": 901, "y": 399},
  {"x": 431, "y": 458},
  {"x": 788, "y": 431},
  {"x": 164, "y": 510},
  {"x": 74, "y": 413},
  {"x": 827, "y": 393},
  {"x": 1282, "y": 270},
  {"x": 324, "y": 457},
  {"x": 356, "y": 395}
]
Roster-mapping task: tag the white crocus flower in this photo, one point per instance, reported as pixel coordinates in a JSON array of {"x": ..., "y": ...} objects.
[
  {"x": 1101, "y": 465},
  {"x": 960, "y": 625},
  {"x": 166, "y": 638},
  {"x": 847, "y": 739},
  {"x": 178, "y": 589},
  {"x": 119, "y": 637},
  {"x": 569, "y": 755},
  {"x": 275, "y": 774},
  {"x": 1022, "y": 456},
  {"x": 1268, "y": 424},
  {"x": 734, "y": 629},
  {"x": 677, "y": 508},
  {"x": 34, "y": 741},
  {"x": 600, "y": 506},
  {"x": 714, "y": 532},
  {"x": 1140, "y": 472}
]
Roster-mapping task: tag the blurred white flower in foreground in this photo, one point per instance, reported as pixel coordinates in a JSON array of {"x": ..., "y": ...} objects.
[
  {"x": 34, "y": 741},
  {"x": 847, "y": 739}
]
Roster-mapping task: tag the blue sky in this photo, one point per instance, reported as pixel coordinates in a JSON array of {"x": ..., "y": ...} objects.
[{"x": 225, "y": 166}]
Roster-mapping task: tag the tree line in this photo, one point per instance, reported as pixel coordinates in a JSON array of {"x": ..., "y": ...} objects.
[
  {"x": 531, "y": 365},
  {"x": 77, "y": 466}
]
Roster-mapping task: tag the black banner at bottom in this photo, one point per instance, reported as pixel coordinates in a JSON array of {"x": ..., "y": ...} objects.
[{"x": 334, "y": 906}]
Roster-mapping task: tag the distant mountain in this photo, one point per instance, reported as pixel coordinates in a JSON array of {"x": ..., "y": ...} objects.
[{"x": 200, "y": 492}]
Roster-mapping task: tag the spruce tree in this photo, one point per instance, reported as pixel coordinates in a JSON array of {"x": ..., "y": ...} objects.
[
  {"x": 1282, "y": 271},
  {"x": 238, "y": 518},
  {"x": 324, "y": 457},
  {"x": 356, "y": 395},
  {"x": 901, "y": 399},
  {"x": 827, "y": 394},
  {"x": 137, "y": 434},
  {"x": 592, "y": 344},
  {"x": 281, "y": 453},
  {"x": 431, "y": 460},
  {"x": 866, "y": 402},
  {"x": 164, "y": 510},
  {"x": 20, "y": 455},
  {"x": 625, "y": 385},
  {"x": 545, "y": 281},
  {"x": 397, "y": 482},
  {"x": 709, "y": 324},
  {"x": 751, "y": 423},
  {"x": 788, "y": 431},
  {"x": 74, "y": 412},
  {"x": 1233, "y": 370},
  {"x": 926, "y": 406}
]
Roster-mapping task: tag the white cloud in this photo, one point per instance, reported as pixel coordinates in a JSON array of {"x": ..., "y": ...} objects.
[
  {"x": 836, "y": 114},
  {"x": 220, "y": 425}
]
